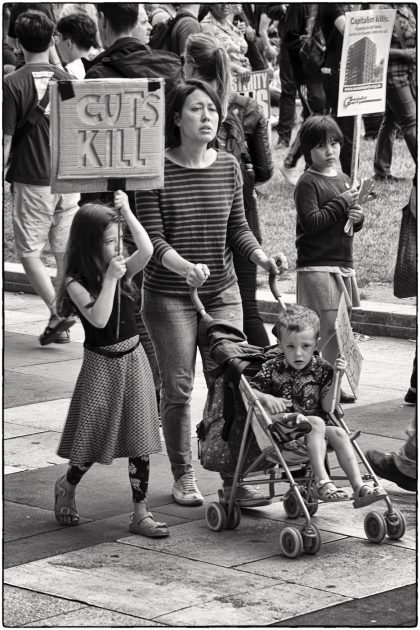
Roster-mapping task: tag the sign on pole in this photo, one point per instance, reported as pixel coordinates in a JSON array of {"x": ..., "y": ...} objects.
[
  {"x": 348, "y": 346},
  {"x": 258, "y": 88},
  {"x": 107, "y": 134},
  {"x": 364, "y": 61}
]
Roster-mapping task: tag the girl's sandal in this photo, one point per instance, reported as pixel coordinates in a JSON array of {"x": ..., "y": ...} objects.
[
  {"x": 147, "y": 526},
  {"x": 326, "y": 490},
  {"x": 374, "y": 493},
  {"x": 65, "y": 509}
]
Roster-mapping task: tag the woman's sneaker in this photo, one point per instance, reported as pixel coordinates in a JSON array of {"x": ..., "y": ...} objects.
[{"x": 185, "y": 491}]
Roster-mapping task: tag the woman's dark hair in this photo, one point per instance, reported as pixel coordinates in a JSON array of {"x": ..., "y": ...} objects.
[
  {"x": 317, "y": 131},
  {"x": 83, "y": 260},
  {"x": 179, "y": 95}
]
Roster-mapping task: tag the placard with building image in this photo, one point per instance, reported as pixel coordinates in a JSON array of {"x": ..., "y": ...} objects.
[{"x": 364, "y": 61}]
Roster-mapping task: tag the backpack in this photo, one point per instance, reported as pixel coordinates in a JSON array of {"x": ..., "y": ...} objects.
[
  {"x": 313, "y": 51},
  {"x": 161, "y": 36}
]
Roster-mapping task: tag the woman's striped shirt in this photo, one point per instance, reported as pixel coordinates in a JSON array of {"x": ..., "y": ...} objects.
[{"x": 200, "y": 214}]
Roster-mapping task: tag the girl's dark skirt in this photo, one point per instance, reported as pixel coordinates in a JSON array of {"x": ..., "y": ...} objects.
[{"x": 113, "y": 412}]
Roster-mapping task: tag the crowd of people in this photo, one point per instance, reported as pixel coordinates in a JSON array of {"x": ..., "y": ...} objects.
[{"x": 201, "y": 230}]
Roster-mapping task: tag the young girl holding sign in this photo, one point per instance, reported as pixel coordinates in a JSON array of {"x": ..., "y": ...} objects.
[
  {"x": 113, "y": 411},
  {"x": 324, "y": 202}
]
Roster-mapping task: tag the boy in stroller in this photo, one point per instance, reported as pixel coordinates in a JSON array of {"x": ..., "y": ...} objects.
[{"x": 299, "y": 380}]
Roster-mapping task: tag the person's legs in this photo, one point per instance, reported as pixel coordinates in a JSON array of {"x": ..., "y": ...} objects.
[
  {"x": 287, "y": 99},
  {"x": 406, "y": 458},
  {"x": 171, "y": 322},
  {"x": 142, "y": 521},
  {"x": 411, "y": 395},
  {"x": 65, "y": 509},
  {"x": 385, "y": 144},
  {"x": 340, "y": 443},
  {"x": 402, "y": 103},
  {"x": 246, "y": 273}
]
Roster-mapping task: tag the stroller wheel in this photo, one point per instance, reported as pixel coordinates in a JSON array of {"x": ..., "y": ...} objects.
[
  {"x": 375, "y": 527},
  {"x": 291, "y": 505},
  {"x": 311, "y": 503},
  {"x": 311, "y": 539},
  {"x": 395, "y": 524},
  {"x": 235, "y": 518},
  {"x": 215, "y": 517},
  {"x": 291, "y": 543}
]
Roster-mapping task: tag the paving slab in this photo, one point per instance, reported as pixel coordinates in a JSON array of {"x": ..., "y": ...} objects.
[
  {"x": 257, "y": 608},
  {"x": 10, "y": 470},
  {"x": 66, "y": 371},
  {"x": 33, "y": 451},
  {"x": 35, "y": 328},
  {"x": 11, "y": 431},
  {"x": 24, "y": 389},
  {"x": 21, "y": 521},
  {"x": 48, "y": 415},
  {"x": 24, "y": 302},
  {"x": 133, "y": 581},
  {"x": 91, "y": 616},
  {"x": 13, "y": 317},
  {"x": 20, "y": 350},
  {"x": 21, "y": 606},
  {"x": 254, "y": 539},
  {"x": 387, "y": 418},
  {"x": 105, "y": 490},
  {"x": 350, "y": 567}
]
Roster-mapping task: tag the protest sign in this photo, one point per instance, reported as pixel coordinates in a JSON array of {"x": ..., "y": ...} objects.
[
  {"x": 258, "y": 88},
  {"x": 107, "y": 134},
  {"x": 348, "y": 346},
  {"x": 364, "y": 61}
]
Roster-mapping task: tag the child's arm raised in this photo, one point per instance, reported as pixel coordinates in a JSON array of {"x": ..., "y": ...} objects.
[
  {"x": 98, "y": 312},
  {"x": 313, "y": 217},
  {"x": 137, "y": 261}
]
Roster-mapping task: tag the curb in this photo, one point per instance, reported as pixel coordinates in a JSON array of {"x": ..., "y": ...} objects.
[{"x": 373, "y": 319}]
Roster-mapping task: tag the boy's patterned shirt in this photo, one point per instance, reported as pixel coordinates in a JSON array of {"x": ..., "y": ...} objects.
[{"x": 304, "y": 388}]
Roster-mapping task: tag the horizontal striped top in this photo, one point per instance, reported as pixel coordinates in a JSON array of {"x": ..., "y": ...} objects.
[{"x": 200, "y": 214}]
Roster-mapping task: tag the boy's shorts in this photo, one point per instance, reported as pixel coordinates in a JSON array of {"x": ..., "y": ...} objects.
[{"x": 40, "y": 216}]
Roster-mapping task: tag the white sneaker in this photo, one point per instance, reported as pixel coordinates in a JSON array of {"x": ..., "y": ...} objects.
[
  {"x": 185, "y": 491},
  {"x": 247, "y": 496},
  {"x": 290, "y": 174}
]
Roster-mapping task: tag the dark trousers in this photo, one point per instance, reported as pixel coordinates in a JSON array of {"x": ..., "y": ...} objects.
[
  {"x": 312, "y": 97},
  {"x": 287, "y": 108},
  {"x": 246, "y": 273},
  {"x": 346, "y": 123}
]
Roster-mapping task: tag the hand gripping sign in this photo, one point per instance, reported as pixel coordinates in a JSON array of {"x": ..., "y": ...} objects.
[{"x": 106, "y": 132}]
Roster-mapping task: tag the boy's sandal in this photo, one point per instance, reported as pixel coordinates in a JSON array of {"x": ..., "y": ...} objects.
[
  {"x": 147, "y": 526},
  {"x": 374, "y": 493},
  {"x": 50, "y": 333},
  {"x": 65, "y": 509},
  {"x": 327, "y": 491}
]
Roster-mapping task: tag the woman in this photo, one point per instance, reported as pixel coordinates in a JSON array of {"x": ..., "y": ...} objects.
[
  {"x": 193, "y": 223},
  {"x": 206, "y": 59},
  {"x": 218, "y": 25}
]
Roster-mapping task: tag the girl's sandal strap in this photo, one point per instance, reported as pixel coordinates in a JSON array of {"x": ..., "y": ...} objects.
[
  {"x": 65, "y": 514},
  {"x": 152, "y": 529}
]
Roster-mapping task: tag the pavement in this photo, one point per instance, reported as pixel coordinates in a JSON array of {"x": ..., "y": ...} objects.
[{"x": 97, "y": 574}]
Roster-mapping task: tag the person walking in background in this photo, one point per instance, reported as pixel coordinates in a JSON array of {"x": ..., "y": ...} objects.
[
  {"x": 38, "y": 214},
  {"x": 332, "y": 18},
  {"x": 401, "y": 93},
  {"x": 324, "y": 202},
  {"x": 77, "y": 42},
  {"x": 244, "y": 133},
  {"x": 194, "y": 222},
  {"x": 113, "y": 410}
]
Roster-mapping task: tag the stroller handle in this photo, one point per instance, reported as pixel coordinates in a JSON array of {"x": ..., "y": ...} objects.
[
  {"x": 199, "y": 306},
  {"x": 272, "y": 281}
]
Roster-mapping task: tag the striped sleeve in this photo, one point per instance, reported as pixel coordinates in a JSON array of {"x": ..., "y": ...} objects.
[{"x": 148, "y": 212}]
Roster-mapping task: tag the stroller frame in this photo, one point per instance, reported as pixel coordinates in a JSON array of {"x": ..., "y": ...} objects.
[{"x": 297, "y": 500}]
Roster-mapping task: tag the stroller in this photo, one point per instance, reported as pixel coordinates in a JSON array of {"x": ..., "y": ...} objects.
[{"x": 236, "y": 434}]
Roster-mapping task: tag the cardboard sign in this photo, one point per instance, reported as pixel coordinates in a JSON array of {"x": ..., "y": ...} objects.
[
  {"x": 257, "y": 88},
  {"x": 107, "y": 134},
  {"x": 348, "y": 346},
  {"x": 364, "y": 61}
]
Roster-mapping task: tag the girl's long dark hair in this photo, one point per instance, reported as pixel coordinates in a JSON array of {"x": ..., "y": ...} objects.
[{"x": 83, "y": 260}]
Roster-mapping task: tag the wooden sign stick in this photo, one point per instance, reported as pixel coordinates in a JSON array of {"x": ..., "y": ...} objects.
[
  {"x": 117, "y": 334},
  {"x": 348, "y": 228}
]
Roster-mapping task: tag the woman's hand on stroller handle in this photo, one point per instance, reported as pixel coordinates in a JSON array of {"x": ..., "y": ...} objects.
[{"x": 197, "y": 275}]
